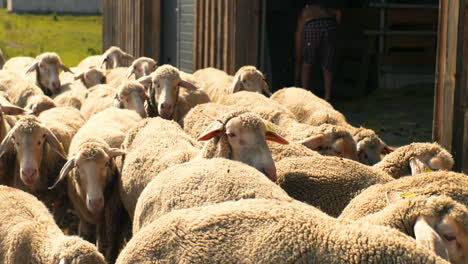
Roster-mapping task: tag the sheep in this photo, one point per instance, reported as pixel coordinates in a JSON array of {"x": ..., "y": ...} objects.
[
  {"x": 268, "y": 231},
  {"x": 72, "y": 94},
  {"x": 28, "y": 234},
  {"x": 414, "y": 159},
  {"x": 99, "y": 98},
  {"x": 116, "y": 76},
  {"x": 217, "y": 83},
  {"x": 201, "y": 182},
  {"x": 141, "y": 67},
  {"x": 310, "y": 109},
  {"x": 47, "y": 67},
  {"x": 92, "y": 182},
  {"x": 23, "y": 93},
  {"x": 2, "y": 59},
  {"x": 166, "y": 98},
  {"x": 40, "y": 145},
  {"x": 237, "y": 135},
  {"x": 328, "y": 183},
  {"x": 436, "y": 222},
  {"x": 326, "y": 139},
  {"x": 372, "y": 200},
  {"x": 89, "y": 77},
  {"x": 113, "y": 57}
]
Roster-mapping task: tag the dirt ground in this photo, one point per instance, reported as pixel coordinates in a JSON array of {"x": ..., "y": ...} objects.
[{"x": 400, "y": 117}]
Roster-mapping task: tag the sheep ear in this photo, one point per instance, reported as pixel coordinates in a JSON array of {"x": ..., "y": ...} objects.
[
  {"x": 418, "y": 166},
  {"x": 64, "y": 171},
  {"x": 127, "y": 56},
  {"x": 7, "y": 143},
  {"x": 236, "y": 85},
  {"x": 427, "y": 237},
  {"x": 103, "y": 62},
  {"x": 187, "y": 85},
  {"x": 393, "y": 197},
  {"x": 313, "y": 142},
  {"x": 146, "y": 82},
  {"x": 65, "y": 68},
  {"x": 266, "y": 88},
  {"x": 271, "y": 135},
  {"x": 12, "y": 110},
  {"x": 130, "y": 72},
  {"x": 213, "y": 129},
  {"x": 80, "y": 76},
  {"x": 117, "y": 102},
  {"x": 54, "y": 143},
  {"x": 115, "y": 152},
  {"x": 386, "y": 149},
  {"x": 33, "y": 67}
]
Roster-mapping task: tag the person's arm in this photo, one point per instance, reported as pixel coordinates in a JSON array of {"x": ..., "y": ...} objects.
[
  {"x": 338, "y": 14},
  {"x": 298, "y": 48}
]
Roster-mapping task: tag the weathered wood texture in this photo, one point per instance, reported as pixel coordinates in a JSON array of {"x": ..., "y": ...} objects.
[
  {"x": 451, "y": 95},
  {"x": 227, "y": 34},
  {"x": 133, "y": 25}
]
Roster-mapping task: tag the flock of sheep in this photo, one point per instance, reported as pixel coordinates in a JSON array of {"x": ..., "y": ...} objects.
[{"x": 163, "y": 166}]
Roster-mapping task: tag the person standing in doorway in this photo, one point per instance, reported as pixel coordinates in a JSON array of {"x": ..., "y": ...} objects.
[{"x": 316, "y": 42}]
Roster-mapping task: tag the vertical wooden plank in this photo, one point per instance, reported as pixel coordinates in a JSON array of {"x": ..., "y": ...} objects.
[
  {"x": 206, "y": 51},
  {"x": 212, "y": 43},
  {"x": 196, "y": 34},
  {"x": 219, "y": 34},
  {"x": 232, "y": 33},
  {"x": 225, "y": 34}
]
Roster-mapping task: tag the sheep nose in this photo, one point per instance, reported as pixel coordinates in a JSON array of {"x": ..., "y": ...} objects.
[
  {"x": 166, "y": 110},
  {"x": 270, "y": 173},
  {"x": 56, "y": 86},
  {"x": 28, "y": 175},
  {"x": 95, "y": 205}
]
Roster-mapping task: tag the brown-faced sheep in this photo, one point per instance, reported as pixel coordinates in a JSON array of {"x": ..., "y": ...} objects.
[
  {"x": 328, "y": 183},
  {"x": 28, "y": 234},
  {"x": 46, "y": 68},
  {"x": 141, "y": 67},
  {"x": 325, "y": 139},
  {"x": 166, "y": 99},
  {"x": 202, "y": 182},
  {"x": 237, "y": 135},
  {"x": 436, "y": 222},
  {"x": 414, "y": 159},
  {"x": 218, "y": 84},
  {"x": 92, "y": 184},
  {"x": 374, "y": 199},
  {"x": 40, "y": 145},
  {"x": 310, "y": 109},
  {"x": 24, "y": 93},
  {"x": 268, "y": 231}
]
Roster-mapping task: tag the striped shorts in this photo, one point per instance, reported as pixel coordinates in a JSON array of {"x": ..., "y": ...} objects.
[{"x": 319, "y": 42}]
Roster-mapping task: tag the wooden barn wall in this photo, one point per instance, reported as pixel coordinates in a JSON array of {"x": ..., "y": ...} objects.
[
  {"x": 133, "y": 25},
  {"x": 186, "y": 35},
  {"x": 226, "y": 34},
  {"x": 451, "y": 91}
]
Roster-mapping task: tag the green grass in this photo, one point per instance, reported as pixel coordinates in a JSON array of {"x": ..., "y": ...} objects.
[{"x": 72, "y": 37}]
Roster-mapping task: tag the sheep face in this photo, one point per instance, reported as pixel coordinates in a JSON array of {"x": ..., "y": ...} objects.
[
  {"x": 247, "y": 135},
  {"x": 142, "y": 67},
  {"x": 370, "y": 150},
  {"x": 47, "y": 68},
  {"x": 73, "y": 250},
  {"x": 27, "y": 138},
  {"x": 438, "y": 159},
  {"x": 114, "y": 57},
  {"x": 249, "y": 79},
  {"x": 455, "y": 238},
  {"x": 329, "y": 145},
  {"x": 39, "y": 103},
  {"x": 131, "y": 95},
  {"x": 95, "y": 167},
  {"x": 92, "y": 77},
  {"x": 166, "y": 94}
]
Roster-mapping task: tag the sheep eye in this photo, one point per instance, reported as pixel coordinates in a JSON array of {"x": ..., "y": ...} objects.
[
  {"x": 449, "y": 237},
  {"x": 231, "y": 135},
  {"x": 39, "y": 142}
]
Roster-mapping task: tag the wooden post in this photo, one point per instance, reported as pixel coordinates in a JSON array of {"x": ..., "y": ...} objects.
[{"x": 451, "y": 96}]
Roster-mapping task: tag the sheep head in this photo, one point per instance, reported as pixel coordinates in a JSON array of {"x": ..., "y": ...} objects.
[
  {"x": 164, "y": 89},
  {"x": 95, "y": 168},
  {"x": 244, "y": 135},
  {"x": 248, "y": 78},
  {"x": 47, "y": 68},
  {"x": 28, "y": 138},
  {"x": 91, "y": 77},
  {"x": 74, "y": 250},
  {"x": 131, "y": 95},
  {"x": 439, "y": 223},
  {"x": 370, "y": 147},
  {"x": 39, "y": 103},
  {"x": 114, "y": 57},
  {"x": 142, "y": 66}
]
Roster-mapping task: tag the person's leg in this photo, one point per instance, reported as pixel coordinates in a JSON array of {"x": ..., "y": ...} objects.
[
  {"x": 328, "y": 81},
  {"x": 329, "y": 50},
  {"x": 305, "y": 75}
]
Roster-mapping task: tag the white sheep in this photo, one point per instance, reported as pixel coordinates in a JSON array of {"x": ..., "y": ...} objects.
[
  {"x": 141, "y": 67},
  {"x": 217, "y": 83},
  {"x": 28, "y": 234},
  {"x": 92, "y": 185},
  {"x": 88, "y": 77},
  {"x": 113, "y": 57},
  {"x": 310, "y": 109},
  {"x": 166, "y": 99},
  {"x": 202, "y": 182},
  {"x": 98, "y": 98},
  {"x": 44, "y": 70},
  {"x": 268, "y": 231},
  {"x": 116, "y": 76}
]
